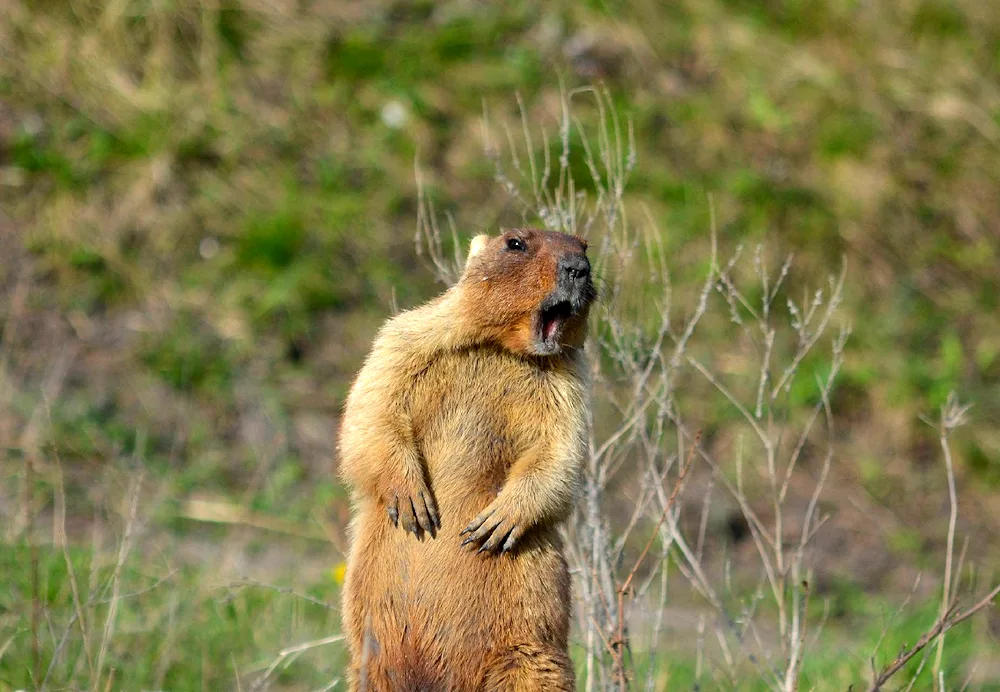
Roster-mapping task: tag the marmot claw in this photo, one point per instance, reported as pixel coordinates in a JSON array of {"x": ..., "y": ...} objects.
[
  {"x": 417, "y": 513},
  {"x": 497, "y": 533}
]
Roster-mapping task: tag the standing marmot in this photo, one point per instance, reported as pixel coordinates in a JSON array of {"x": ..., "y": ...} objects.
[{"x": 466, "y": 430}]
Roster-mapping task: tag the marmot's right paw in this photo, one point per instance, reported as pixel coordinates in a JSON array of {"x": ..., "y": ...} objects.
[
  {"x": 496, "y": 530},
  {"x": 416, "y": 512}
]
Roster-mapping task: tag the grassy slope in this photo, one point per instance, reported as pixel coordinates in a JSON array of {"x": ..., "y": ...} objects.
[{"x": 209, "y": 207}]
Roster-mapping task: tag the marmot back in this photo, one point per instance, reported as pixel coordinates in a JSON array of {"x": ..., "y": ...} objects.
[{"x": 462, "y": 442}]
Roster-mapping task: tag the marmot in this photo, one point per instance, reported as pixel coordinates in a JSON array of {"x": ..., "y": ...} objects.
[{"x": 463, "y": 441}]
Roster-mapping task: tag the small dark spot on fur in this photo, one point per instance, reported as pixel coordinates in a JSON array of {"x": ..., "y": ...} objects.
[{"x": 373, "y": 645}]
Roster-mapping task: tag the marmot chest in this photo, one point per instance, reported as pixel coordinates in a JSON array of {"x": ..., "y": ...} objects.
[{"x": 474, "y": 413}]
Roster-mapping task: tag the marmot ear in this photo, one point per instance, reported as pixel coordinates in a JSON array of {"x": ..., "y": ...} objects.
[{"x": 476, "y": 246}]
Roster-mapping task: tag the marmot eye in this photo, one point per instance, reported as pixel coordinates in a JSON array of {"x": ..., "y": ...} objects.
[{"x": 516, "y": 244}]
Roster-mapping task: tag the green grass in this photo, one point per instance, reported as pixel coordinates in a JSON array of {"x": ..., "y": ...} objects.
[
  {"x": 170, "y": 629},
  {"x": 173, "y": 628}
]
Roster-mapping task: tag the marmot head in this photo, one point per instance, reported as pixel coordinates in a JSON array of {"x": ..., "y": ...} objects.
[{"x": 528, "y": 290}]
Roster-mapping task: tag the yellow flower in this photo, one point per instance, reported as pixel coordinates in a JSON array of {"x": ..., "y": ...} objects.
[{"x": 337, "y": 573}]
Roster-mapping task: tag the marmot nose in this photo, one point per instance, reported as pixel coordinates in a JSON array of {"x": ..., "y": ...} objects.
[{"x": 574, "y": 267}]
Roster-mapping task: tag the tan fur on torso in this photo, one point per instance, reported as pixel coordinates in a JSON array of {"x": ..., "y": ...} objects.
[{"x": 474, "y": 412}]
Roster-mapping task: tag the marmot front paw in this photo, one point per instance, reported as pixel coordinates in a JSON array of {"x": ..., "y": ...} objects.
[
  {"x": 415, "y": 511},
  {"x": 497, "y": 528}
]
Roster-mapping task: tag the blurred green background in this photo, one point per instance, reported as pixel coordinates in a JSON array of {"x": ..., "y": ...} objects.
[{"x": 207, "y": 207}]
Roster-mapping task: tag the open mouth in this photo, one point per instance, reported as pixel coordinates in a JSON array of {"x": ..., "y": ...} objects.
[{"x": 552, "y": 320}]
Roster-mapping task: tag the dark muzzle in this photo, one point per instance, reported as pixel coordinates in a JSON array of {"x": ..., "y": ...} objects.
[{"x": 573, "y": 283}]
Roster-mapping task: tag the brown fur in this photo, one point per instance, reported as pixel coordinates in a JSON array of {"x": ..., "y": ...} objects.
[{"x": 454, "y": 425}]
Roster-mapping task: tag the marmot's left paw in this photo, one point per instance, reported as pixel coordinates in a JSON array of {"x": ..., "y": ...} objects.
[
  {"x": 495, "y": 528},
  {"x": 415, "y": 511}
]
